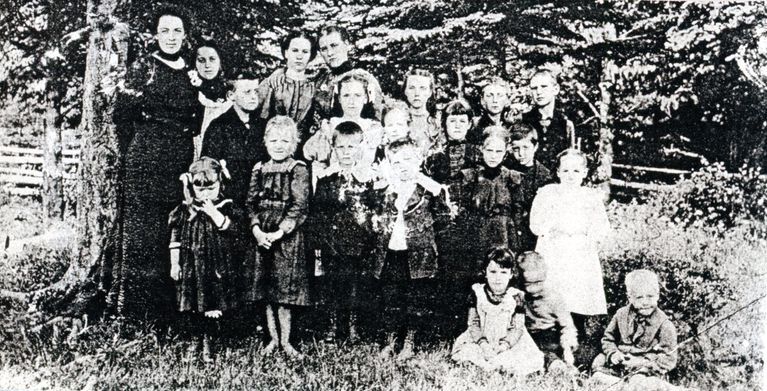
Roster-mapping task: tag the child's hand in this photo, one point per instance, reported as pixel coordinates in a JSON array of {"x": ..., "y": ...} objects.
[
  {"x": 175, "y": 267},
  {"x": 618, "y": 358},
  {"x": 210, "y": 209},
  {"x": 633, "y": 362},
  {"x": 275, "y": 236},
  {"x": 567, "y": 355},
  {"x": 261, "y": 238}
]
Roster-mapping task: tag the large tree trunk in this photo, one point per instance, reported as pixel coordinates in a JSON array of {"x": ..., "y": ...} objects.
[
  {"x": 53, "y": 168},
  {"x": 99, "y": 155}
]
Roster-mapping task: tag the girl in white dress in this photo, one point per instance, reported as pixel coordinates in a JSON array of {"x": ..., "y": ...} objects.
[
  {"x": 570, "y": 221},
  {"x": 496, "y": 337}
]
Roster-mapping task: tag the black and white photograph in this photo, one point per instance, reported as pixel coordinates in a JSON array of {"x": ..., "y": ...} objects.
[{"x": 383, "y": 195}]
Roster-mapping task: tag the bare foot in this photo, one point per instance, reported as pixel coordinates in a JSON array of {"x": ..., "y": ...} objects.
[
  {"x": 269, "y": 348},
  {"x": 291, "y": 351},
  {"x": 387, "y": 351}
]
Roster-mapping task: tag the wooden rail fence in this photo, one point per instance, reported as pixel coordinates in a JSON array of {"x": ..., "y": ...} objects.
[{"x": 21, "y": 171}]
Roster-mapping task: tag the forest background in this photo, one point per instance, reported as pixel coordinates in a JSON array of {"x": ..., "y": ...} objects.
[{"x": 675, "y": 85}]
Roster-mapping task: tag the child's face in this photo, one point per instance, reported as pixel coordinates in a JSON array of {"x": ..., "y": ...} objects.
[
  {"x": 524, "y": 151},
  {"x": 494, "y": 99},
  {"x": 352, "y": 98},
  {"x": 170, "y": 33},
  {"x": 418, "y": 91},
  {"x": 245, "y": 94},
  {"x": 493, "y": 152},
  {"x": 279, "y": 144},
  {"x": 497, "y": 278},
  {"x": 543, "y": 90},
  {"x": 298, "y": 53},
  {"x": 210, "y": 192},
  {"x": 571, "y": 171},
  {"x": 347, "y": 149},
  {"x": 333, "y": 49},
  {"x": 644, "y": 299},
  {"x": 457, "y": 126},
  {"x": 406, "y": 163},
  {"x": 208, "y": 63},
  {"x": 396, "y": 125}
]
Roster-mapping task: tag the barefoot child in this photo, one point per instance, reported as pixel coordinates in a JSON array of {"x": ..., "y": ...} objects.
[
  {"x": 278, "y": 202},
  {"x": 570, "y": 221},
  {"x": 204, "y": 231},
  {"x": 496, "y": 337},
  {"x": 341, "y": 227},
  {"x": 640, "y": 341},
  {"x": 548, "y": 321}
]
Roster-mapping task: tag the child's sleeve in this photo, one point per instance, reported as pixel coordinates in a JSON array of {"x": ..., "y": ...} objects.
[
  {"x": 599, "y": 228},
  {"x": 541, "y": 219},
  {"x": 664, "y": 354},
  {"x": 266, "y": 97},
  {"x": 517, "y": 324},
  {"x": 611, "y": 338},
  {"x": 213, "y": 141},
  {"x": 254, "y": 193},
  {"x": 473, "y": 321},
  {"x": 175, "y": 218},
  {"x": 300, "y": 184}
]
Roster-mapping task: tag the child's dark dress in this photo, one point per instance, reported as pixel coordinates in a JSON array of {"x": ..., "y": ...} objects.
[
  {"x": 493, "y": 204},
  {"x": 208, "y": 267},
  {"x": 279, "y": 199},
  {"x": 533, "y": 178}
]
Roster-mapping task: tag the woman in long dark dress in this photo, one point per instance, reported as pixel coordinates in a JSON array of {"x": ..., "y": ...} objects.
[{"x": 156, "y": 122}]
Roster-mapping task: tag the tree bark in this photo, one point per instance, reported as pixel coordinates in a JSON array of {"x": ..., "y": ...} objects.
[
  {"x": 99, "y": 155},
  {"x": 53, "y": 168},
  {"x": 605, "y": 151}
]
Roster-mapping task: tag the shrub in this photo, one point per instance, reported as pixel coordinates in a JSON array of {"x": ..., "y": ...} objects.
[{"x": 717, "y": 198}]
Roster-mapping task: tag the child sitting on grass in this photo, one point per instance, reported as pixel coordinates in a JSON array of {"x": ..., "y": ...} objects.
[
  {"x": 496, "y": 337},
  {"x": 640, "y": 341},
  {"x": 548, "y": 321}
]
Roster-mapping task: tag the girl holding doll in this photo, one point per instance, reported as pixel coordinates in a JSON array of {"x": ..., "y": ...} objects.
[
  {"x": 204, "y": 231},
  {"x": 289, "y": 91},
  {"x": 570, "y": 221},
  {"x": 278, "y": 202}
]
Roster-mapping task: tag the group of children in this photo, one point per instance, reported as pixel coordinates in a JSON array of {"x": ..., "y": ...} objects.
[{"x": 406, "y": 201}]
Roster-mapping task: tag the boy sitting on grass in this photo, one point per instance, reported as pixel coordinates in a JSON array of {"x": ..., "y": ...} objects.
[{"x": 640, "y": 341}]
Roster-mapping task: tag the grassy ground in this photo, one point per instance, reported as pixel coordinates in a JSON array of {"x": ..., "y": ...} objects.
[{"x": 716, "y": 276}]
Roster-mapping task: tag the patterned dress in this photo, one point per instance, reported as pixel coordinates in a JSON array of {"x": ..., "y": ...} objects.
[
  {"x": 496, "y": 319},
  {"x": 207, "y": 256},
  {"x": 278, "y": 199},
  {"x": 156, "y": 122},
  {"x": 569, "y": 223},
  {"x": 281, "y": 95}
]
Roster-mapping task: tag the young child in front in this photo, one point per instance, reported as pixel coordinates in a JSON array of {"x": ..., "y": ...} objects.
[
  {"x": 523, "y": 146},
  {"x": 496, "y": 337},
  {"x": 570, "y": 221},
  {"x": 641, "y": 341},
  {"x": 204, "y": 231},
  {"x": 341, "y": 227},
  {"x": 278, "y": 202},
  {"x": 548, "y": 321},
  {"x": 405, "y": 257}
]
